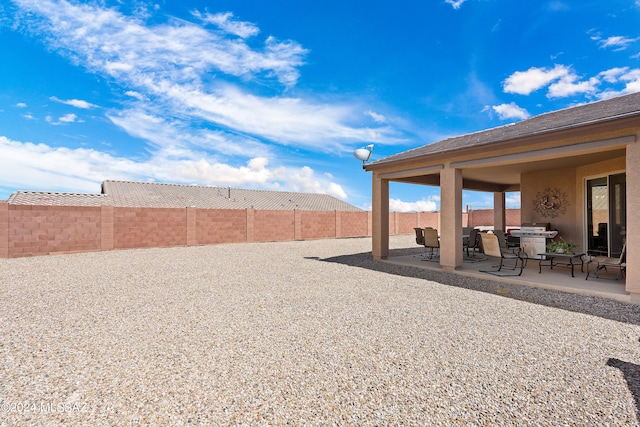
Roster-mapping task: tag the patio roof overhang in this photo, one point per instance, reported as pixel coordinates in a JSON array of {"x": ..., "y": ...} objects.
[{"x": 498, "y": 166}]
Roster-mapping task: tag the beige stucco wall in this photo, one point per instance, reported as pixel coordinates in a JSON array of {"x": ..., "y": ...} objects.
[
  {"x": 563, "y": 180},
  {"x": 633, "y": 219},
  {"x": 571, "y": 182}
]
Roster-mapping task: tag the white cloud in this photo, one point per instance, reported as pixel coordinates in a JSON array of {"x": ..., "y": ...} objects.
[
  {"x": 106, "y": 40},
  {"x": 613, "y": 75},
  {"x": 567, "y": 86},
  {"x": 525, "y": 82},
  {"x": 510, "y": 111},
  {"x": 134, "y": 94},
  {"x": 304, "y": 180},
  {"x": 21, "y": 105},
  {"x": 564, "y": 82},
  {"x": 284, "y": 120},
  {"x": 512, "y": 200},
  {"x": 68, "y": 118},
  {"x": 37, "y": 166},
  {"x": 181, "y": 67},
  {"x": 429, "y": 204},
  {"x": 224, "y": 22},
  {"x": 78, "y": 103},
  {"x": 455, "y": 3},
  {"x": 617, "y": 42},
  {"x": 628, "y": 78},
  {"x": 378, "y": 118},
  {"x": 175, "y": 137}
]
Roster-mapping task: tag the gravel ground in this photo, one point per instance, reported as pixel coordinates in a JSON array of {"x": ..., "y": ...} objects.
[{"x": 302, "y": 333}]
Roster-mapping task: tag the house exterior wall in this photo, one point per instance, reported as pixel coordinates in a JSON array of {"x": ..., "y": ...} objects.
[
  {"x": 633, "y": 220},
  {"x": 570, "y": 224},
  {"x": 563, "y": 181}
]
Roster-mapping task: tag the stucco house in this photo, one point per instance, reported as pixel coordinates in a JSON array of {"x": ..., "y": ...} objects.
[{"x": 576, "y": 168}]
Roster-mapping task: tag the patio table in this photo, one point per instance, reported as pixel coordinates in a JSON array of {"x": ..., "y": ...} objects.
[{"x": 560, "y": 260}]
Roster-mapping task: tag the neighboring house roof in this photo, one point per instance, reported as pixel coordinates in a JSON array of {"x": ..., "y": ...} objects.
[
  {"x": 569, "y": 118},
  {"x": 155, "y": 195}
]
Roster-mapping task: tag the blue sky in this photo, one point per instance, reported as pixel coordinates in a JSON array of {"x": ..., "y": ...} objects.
[{"x": 278, "y": 94}]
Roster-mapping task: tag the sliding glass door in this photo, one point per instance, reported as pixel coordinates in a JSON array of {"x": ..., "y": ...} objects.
[{"x": 606, "y": 214}]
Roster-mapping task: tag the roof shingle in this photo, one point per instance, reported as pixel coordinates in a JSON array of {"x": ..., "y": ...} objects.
[{"x": 157, "y": 195}]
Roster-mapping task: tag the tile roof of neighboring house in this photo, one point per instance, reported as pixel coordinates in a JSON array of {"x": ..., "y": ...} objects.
[
  {"x": 155, "y": 195},
  {"x": 568, "y": 118}
]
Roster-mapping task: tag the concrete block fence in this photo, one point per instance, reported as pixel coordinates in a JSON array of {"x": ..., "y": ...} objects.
[{"x": 31, "y": 230}]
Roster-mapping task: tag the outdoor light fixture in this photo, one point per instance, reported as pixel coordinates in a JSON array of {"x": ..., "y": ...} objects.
[{"x": 363, "y": 153}]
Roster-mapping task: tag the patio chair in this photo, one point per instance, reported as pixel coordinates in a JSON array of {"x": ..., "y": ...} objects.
[
  {"x": 473, "y": 243},
  {"x": 504, "y": 242},
  {"x": 618, "y": 264},
  {"x": 419, "y": 236},
  {"x": 431, "y": 244},
  {"x": 491, "y": 246}
]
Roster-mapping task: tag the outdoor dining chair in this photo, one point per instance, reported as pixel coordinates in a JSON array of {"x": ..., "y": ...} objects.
[
  {"x": 431, "y": 243},
  {"x": 616, "y": 264},
  {"x": 491, "y": 246},
  {"x": 472, "y": 244}
]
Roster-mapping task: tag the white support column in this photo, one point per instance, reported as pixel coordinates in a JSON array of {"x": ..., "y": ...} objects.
[
  {"x": 380, "y": 217},
  {"x": 633, "y": 221},
  {"x": 450, "y": 219},
  {"x": 499, "y": 213}
]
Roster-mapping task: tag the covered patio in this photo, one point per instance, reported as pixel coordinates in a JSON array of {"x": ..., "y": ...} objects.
[
  {"x": 558, "y": 278},
  {"x": 555, "y": 161}
]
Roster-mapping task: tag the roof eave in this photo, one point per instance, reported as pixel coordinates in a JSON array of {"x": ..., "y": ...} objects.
[{"x": 621, "y": 122}]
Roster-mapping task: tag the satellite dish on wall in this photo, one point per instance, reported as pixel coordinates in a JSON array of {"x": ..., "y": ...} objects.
[{"x": 363, "y": 153}]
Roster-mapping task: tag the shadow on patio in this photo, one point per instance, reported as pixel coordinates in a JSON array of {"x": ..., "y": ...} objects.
[{"x": 553, "y": 288}]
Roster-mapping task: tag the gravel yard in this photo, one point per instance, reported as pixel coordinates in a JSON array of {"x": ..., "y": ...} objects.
[{"x": 301, "y": 333}]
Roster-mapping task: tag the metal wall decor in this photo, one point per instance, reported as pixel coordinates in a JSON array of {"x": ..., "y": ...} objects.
[{"x": 551, "y": 202}]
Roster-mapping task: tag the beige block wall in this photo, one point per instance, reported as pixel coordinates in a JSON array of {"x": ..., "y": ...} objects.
[
  {"x": 316, "y": 225},
  {"x": 149, "y": 228},
  {"x": 352, "y": 224},
  {"x": 4, "y": 229},
  {"x": 484, "y": 217},
  {"x": 43, "y": 230},
  {"x": 220, "y": 226}
]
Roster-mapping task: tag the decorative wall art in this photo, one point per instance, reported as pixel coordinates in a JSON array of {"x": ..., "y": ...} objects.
[{"x": 551, "y": 202}]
